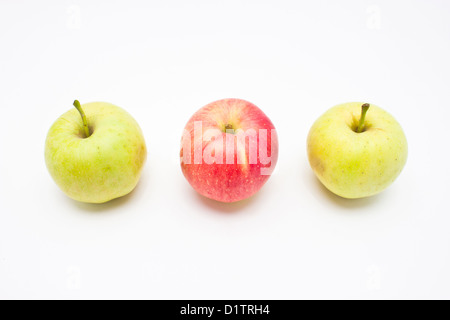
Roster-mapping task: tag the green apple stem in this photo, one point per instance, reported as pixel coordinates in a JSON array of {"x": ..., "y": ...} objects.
[
  {"x": 364, "y": 108},
  {"x": 77, "y": 105}
]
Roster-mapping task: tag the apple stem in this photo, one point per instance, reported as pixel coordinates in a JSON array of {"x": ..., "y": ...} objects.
[
  {"x": 77, "y": 105},
  {"x": 364, "y": 109}
]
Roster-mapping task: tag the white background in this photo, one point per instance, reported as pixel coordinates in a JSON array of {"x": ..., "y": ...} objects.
[{"x": 163, "y": 60}]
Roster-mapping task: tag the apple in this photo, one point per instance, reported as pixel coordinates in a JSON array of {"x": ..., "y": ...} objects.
[
  {"x": 96, "y": 157},
  {"x": 229, "y": 149},
  {"x": 356, "y": 152}
]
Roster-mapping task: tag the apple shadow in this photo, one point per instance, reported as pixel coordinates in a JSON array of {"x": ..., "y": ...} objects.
[
  {"x": 107, "y": 206},
  {"x": 226, "y": 208},
  {"x": 345, "y": 203}
]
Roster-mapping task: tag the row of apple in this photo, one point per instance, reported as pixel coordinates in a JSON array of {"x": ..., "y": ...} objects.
[{"x": 229, "y": 149}]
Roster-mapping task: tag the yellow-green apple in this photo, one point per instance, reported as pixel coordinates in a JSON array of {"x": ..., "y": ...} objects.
[
  {"x": 229, "y": 149},
  {"x": 96, "y": 157},
  {"x": 356, "y": 152}
]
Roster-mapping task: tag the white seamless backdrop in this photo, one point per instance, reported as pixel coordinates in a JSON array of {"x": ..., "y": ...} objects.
[{"x": 163, "y": 60}]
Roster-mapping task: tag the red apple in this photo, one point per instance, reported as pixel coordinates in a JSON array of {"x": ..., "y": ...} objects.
[{"x": 229, "y": 149}]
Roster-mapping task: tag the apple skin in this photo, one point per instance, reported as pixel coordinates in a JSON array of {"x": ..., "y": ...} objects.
[
  {"x": 229, "y": 182},
  {"x": 356, "y": 165},
  {"x": 105, "y": 166}
]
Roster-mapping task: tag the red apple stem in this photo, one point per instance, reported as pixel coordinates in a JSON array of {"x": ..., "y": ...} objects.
[
  {"x": 364, "y": 109},
  {"x": 77, "y": 105}
]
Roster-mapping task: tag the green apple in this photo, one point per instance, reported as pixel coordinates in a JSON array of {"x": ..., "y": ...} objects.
[
  {"x": 356, "y": 152},
  {"x": 96, "y": 157}
]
